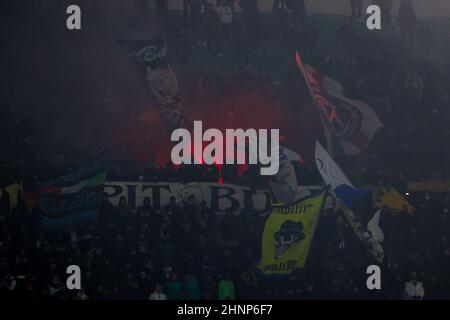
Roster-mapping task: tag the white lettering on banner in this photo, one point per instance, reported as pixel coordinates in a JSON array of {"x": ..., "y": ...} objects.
[
  {"x": 221, "y": 198},
  {"x": 148, "y": 53}
]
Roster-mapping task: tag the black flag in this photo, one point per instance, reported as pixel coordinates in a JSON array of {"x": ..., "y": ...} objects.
[{"x": 152, "y": 59}]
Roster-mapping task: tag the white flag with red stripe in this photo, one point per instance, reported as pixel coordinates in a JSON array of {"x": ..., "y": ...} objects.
[{"x": 352, "y": 123}]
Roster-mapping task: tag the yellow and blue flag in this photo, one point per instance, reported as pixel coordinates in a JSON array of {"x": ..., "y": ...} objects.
[{"x": 288, "y": 233}]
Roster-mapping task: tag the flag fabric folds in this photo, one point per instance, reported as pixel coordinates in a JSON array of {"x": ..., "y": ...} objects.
[
  {"x": 370, "y": 241},
  {"x": 373, "y": 226},
  {"x": 332, "y": 175},
  {"x": 74, "y": 198},
  {"x": 284, "y": 185},
  {"x": 288, "y": 233},
  {"x": 346, "y": 192},
  {"x": 352, "y": 123},
  {"x": 152, "y": 61},
  {"x": 391, "y": 198}
]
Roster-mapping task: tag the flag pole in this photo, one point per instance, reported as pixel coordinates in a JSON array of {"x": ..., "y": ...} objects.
[{"x": 374, "y": 247}]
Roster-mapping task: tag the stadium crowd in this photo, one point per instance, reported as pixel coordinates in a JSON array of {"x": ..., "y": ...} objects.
[
  {"x": 186, "y": 251},
  {"x": 401, "y": 83}
]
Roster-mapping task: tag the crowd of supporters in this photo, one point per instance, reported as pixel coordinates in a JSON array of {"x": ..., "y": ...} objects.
[
  {"x": 401, "y": 72},
  {"x": 401, "y": 81},
  {"x": 186, "y": 251}
]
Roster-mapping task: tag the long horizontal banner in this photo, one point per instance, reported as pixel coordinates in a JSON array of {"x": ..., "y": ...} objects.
[
  {"x": 221, "y": 198},
  {"x": 429, "y": 186}
]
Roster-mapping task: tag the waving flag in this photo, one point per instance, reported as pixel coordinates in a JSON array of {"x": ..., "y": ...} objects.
[
  {"x": 346, "y": 192},
  {"x": 74, "y": 198},
  {"x": 371, "y": 241},
  {"x": 153, "y": 66},
  {"x": 288, "y": 233},
  {"x": 284, "y": 185},
  {"x": 333, "y": 176},
  {"x": 373, "y": 226},
  {"x": 391, "y": 198},
  {"x": 352, "y": 123}
]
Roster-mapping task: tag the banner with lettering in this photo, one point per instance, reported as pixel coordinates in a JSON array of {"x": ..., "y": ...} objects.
[
  {"x": 152, "y": 61},
  {"x": 288, "y": 233},
  {"x": 74, "y": 198},
  {"x": 221, "y": 198}
]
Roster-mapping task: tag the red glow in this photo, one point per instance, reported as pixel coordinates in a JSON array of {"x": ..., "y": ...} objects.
[{"x": 253, "y": 105}]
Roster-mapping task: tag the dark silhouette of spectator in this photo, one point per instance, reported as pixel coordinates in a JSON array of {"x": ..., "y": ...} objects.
[
  {"x": 187, "y": 13},
  {"x": 163, "y": 9},
  {"x": 386, "y": 7},
  {"x": 4, "y": 201},
  {"x": 211, "y": 29},
  {"x": 192, "y": 287},
  {"x": 280, "y": 15},
  {"x": 407, "y": 22},
  {"x": 225, "y": 14},
  {"x": 174, "y": 287},
  {"x": 198, "y": 10},
  {"x": 298, "y": 11},
  {"x": 356, "y": 9},
  {"x": 250, "y": 28}
]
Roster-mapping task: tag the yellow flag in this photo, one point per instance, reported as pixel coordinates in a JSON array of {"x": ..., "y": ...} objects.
[
  {"x": 13, "y": 190},
  {"x": 287, "y": 235},
  {"x": 393, "y": 200}
]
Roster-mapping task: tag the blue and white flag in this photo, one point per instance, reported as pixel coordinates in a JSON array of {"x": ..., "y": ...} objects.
[
  {"x": 333, "y": 175},
  {"x": 346, "y": 192}
]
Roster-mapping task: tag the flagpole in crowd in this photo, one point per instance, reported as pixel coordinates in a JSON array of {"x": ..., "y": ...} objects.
[{"x": 345, "y": 194}]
